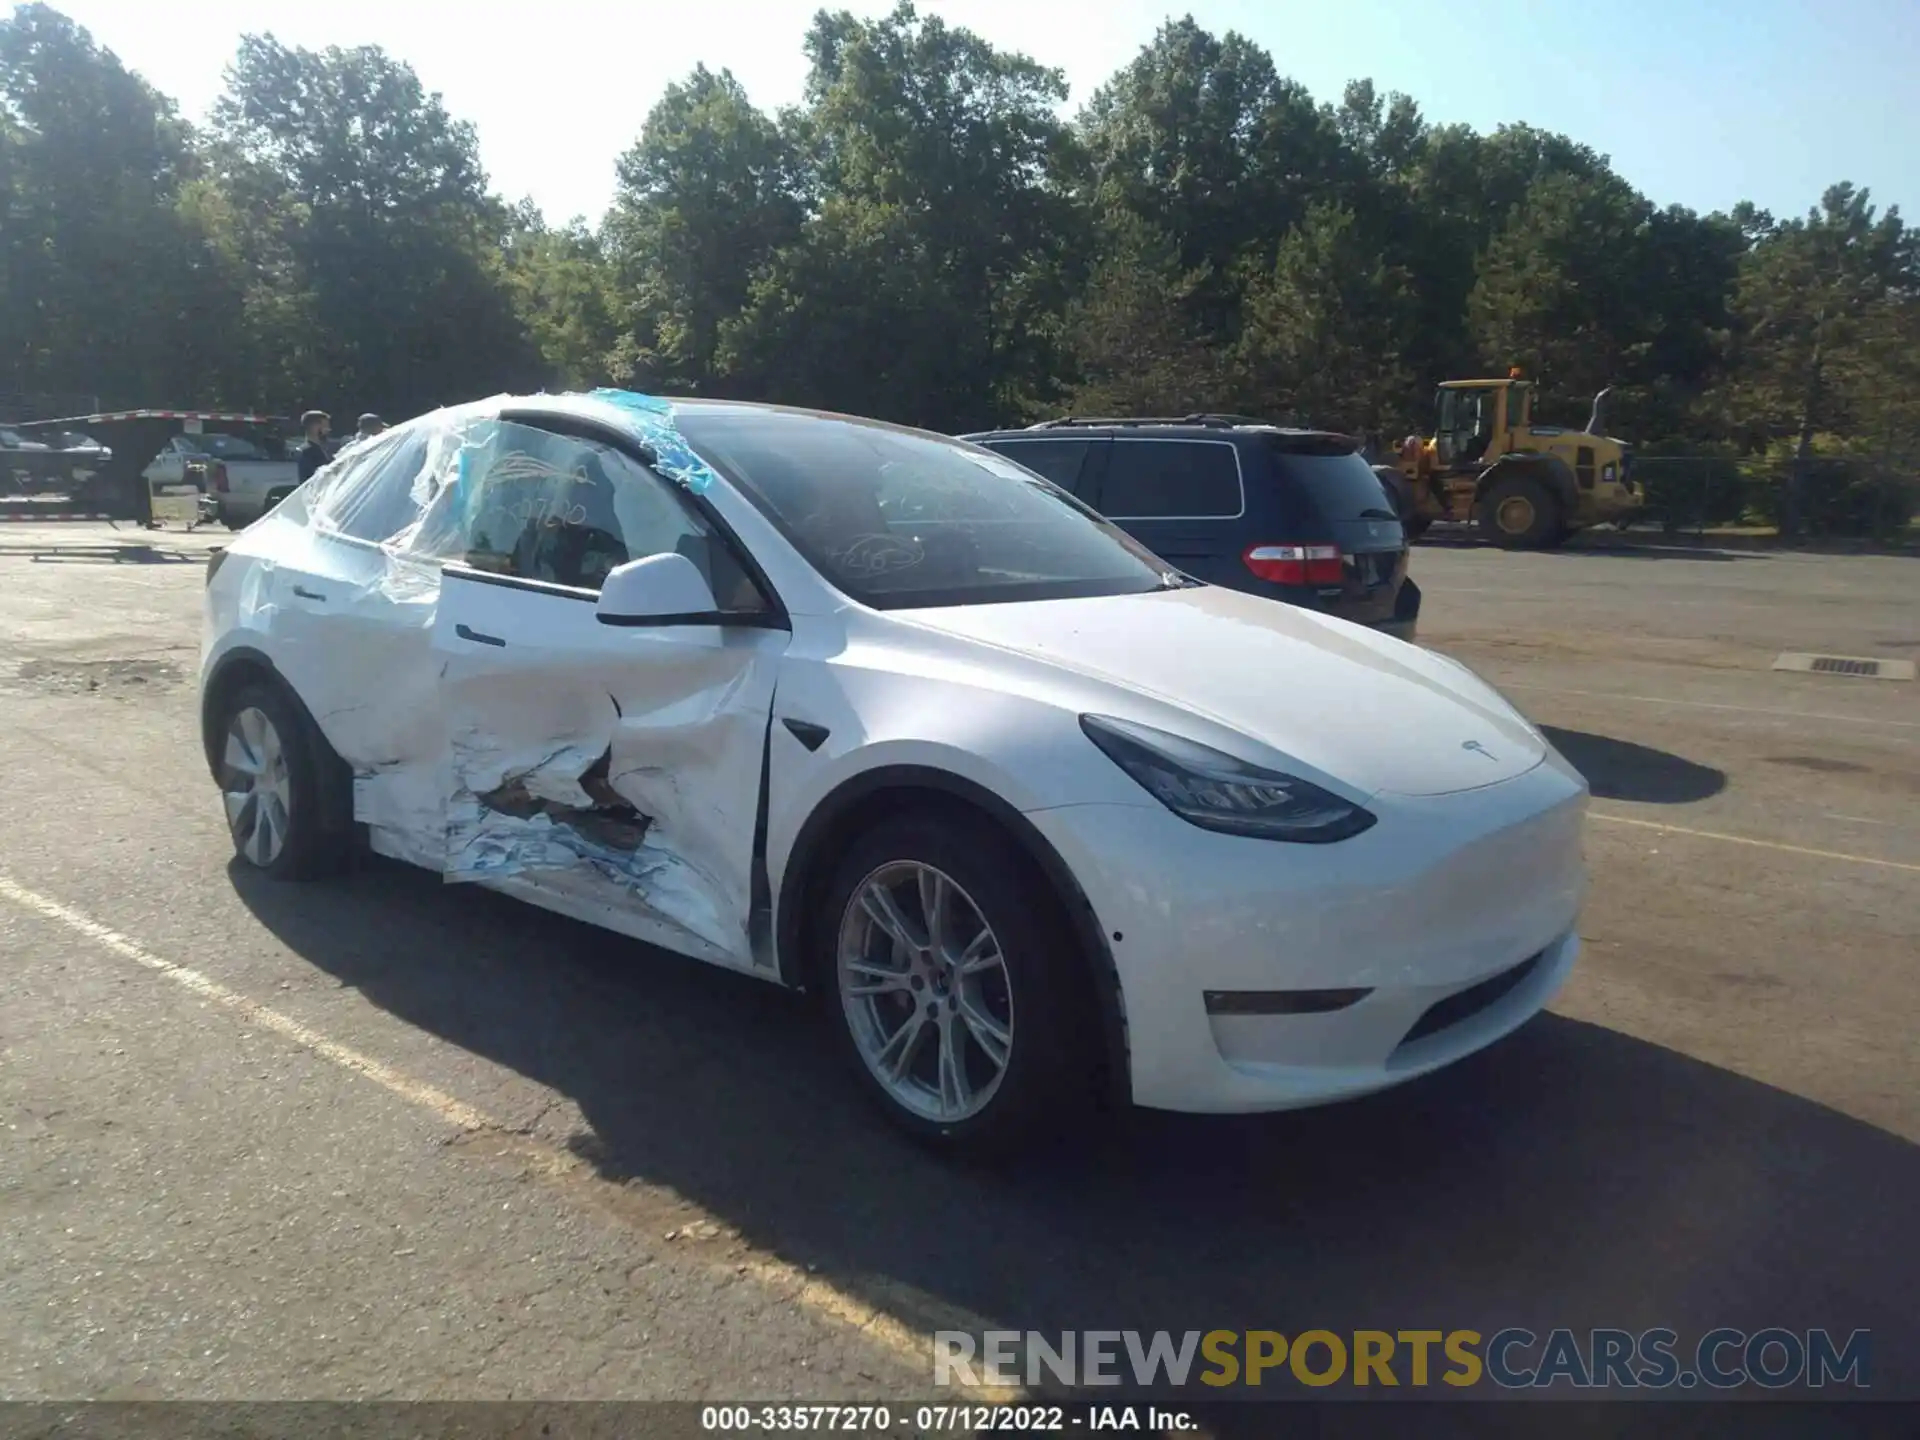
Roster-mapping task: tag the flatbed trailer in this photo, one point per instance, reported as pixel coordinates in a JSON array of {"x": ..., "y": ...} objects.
[{"x": 118, "y": 490}]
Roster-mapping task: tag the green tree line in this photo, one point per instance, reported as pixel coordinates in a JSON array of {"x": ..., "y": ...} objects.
[{"x": 927, "y": 237}]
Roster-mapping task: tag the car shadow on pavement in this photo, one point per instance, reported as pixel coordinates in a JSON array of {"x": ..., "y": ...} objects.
[
  {"x": 1569, "y": 1176},
  {"x": 103, "y": 554},
  {"x": 1622, "y": 770}
]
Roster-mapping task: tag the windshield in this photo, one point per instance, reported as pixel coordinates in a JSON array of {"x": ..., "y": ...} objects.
[
  {"x": 897, "y": 519},
  {"x": 229, "y": 447}
]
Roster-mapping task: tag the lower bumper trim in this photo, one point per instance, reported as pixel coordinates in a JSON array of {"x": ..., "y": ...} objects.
[
  {"x": 1464, "y": 1004},
  {"x": 1281, "y": 1002}
]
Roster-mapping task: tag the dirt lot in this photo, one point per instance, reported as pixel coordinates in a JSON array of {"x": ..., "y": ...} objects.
[{"x": 384, "y": 1138}]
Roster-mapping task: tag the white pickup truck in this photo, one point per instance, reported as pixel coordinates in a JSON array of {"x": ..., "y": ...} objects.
[{"x": 240, "y": 478}]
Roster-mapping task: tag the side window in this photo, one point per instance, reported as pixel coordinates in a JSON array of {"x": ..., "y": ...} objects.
[
  {"x": 1171, "y": 479},
  {"x": 544, "y": 506},
  {"x": 1059, "y": 460},
  {"x": 369, "y": 495}
]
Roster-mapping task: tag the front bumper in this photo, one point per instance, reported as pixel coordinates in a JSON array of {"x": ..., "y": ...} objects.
[{"x": 1444, "y": 894}]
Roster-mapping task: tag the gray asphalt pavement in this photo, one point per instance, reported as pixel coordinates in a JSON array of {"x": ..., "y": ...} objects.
[{"x": 380, "y": 1137}]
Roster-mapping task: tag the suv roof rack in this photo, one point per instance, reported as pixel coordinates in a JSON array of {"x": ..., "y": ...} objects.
[{"x": 1215, "y": 421}]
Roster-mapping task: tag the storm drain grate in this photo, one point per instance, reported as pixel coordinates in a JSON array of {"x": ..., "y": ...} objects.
[{"x": 1864, "y": 667}]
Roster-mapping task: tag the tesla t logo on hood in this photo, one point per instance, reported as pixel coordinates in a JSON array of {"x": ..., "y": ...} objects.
[{"x": 1478, "y": 749}]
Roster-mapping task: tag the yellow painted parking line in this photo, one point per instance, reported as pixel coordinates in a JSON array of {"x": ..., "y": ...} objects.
[
  {"x": 1749, "y": 840},
  {"x": 444, "y": 1106},
  {"x": 913, "y": 1347}
]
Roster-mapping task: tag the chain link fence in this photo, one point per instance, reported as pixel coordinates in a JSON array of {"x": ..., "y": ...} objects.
[{"x": 1841, "y": 496}]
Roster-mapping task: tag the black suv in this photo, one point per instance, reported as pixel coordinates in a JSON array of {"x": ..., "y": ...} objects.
[{"x": 1295, "y": 515}]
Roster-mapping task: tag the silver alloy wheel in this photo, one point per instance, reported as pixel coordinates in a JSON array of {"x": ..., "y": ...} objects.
[
  {"x": 256, "y": 787},
  {"x": 925, "y": 990}
]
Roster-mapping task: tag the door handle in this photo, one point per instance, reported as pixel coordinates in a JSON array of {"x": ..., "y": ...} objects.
[
  {"x": 474, "y": 635},
  {"x": 305, "y": 594}
]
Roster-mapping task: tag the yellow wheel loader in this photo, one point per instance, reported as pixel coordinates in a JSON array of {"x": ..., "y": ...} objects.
[{"x": 1524, "y": 486}]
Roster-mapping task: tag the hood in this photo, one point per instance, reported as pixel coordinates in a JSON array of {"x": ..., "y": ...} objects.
[{"x": 1364, "y": 709}]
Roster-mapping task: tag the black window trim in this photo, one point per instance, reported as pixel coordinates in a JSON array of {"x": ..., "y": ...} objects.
[
  {"x": 1239, "y": 473},
  {"x": 723, "y": 619},
  {"x": 719, "y": 619},
  {"x": 460, "y": 570}
]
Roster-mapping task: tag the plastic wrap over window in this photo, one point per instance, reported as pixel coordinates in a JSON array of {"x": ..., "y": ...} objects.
[
  {"x": 435, "y": 487},
  {"x": 653, "y": 418}
]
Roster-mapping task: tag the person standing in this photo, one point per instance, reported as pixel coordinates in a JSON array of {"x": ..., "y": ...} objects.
[
  {"x": 370, "y": 426},
  {"x": 314, "y": 453}
]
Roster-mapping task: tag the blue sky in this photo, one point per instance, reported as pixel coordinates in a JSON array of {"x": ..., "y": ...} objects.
[{"x": 1699, "y": 102}]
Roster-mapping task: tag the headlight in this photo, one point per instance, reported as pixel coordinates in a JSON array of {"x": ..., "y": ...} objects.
[{"x": 1213, "y": 790}]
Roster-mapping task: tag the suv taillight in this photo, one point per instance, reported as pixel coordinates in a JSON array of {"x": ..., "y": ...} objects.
[
  {"x": 1296, "y": 564},
  {"x": 217, "y": 471}
]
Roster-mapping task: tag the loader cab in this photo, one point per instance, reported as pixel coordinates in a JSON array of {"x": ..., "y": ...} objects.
[
  {"x": 1478, "y": 420},
  {"x": 1464, "y": 432}
]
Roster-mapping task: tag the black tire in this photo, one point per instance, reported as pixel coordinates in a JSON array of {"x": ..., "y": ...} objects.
[
  {"x": 318, "y": 804},
  {"x": 1398, "y": 491},
  {"x": 1519, "y": 513},
  {"x": 1049, "y": 1081},
  {"x": 1416, "y": 526}
]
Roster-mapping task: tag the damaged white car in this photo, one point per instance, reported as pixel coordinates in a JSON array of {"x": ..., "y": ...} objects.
[{"x": 883, "y": 716}]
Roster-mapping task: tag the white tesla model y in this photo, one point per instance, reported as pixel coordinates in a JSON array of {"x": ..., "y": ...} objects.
[{"x": 884, "y": 716}]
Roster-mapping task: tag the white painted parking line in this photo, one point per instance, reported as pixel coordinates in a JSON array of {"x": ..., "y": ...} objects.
[
  {"x": 1711, "y": 705},
  {"x": 912, "y": 1346},
  {"x": 1749, "y": 840}
]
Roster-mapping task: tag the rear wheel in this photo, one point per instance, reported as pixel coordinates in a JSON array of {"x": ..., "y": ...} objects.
[
  {"x": 1519, "y": 513},
  {"x": 275, "y": 773},
  {"x": 954, "y": 985}
]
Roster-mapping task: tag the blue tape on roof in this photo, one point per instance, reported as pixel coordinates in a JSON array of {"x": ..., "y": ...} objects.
[{"x": 653, "y": 417}]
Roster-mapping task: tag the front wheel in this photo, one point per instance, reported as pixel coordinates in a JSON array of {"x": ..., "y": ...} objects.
[
  {"x": 1518, "y": 513},
  {"x": 955, "y": 985}
]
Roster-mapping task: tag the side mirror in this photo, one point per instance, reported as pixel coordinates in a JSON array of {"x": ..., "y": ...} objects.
[{"x": 657, "y": 590}]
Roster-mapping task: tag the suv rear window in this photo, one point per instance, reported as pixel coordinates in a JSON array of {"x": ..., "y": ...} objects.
[
  {"x": 1058, "y": 460},
  {"x": 1336, "y": 478},
  {"x": 1171, "y": 479}
]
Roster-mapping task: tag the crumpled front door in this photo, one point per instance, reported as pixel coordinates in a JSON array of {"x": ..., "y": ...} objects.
[{"x": 612, "y": 772}]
